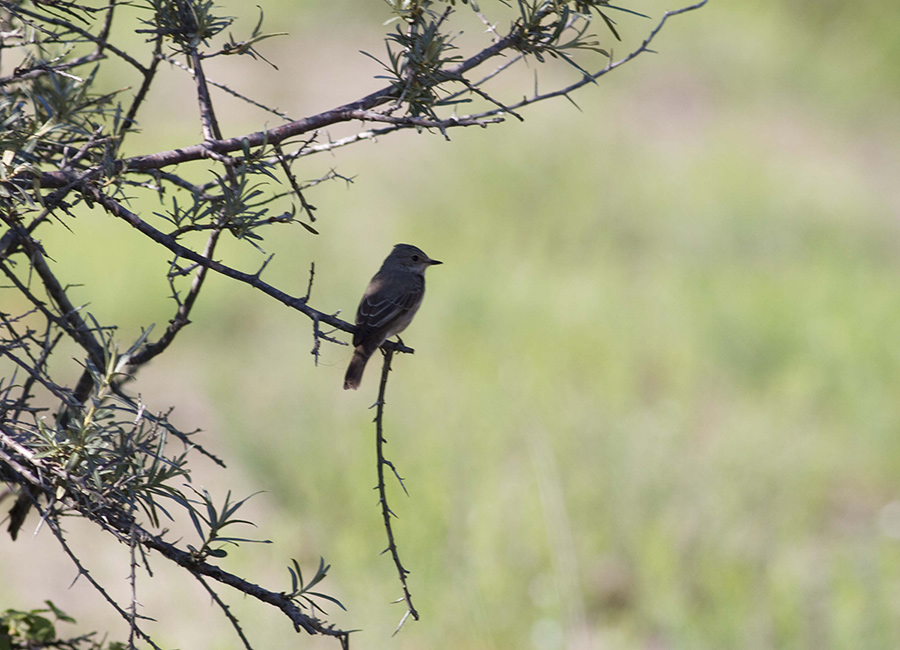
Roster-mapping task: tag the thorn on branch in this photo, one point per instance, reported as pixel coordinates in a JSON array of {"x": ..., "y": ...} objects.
[
  {"x": 396, "y": 474},
  {"x": 307, "y": 207}
]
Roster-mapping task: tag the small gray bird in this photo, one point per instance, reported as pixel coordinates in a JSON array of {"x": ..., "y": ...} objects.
[{"x": 388, "y": 305}]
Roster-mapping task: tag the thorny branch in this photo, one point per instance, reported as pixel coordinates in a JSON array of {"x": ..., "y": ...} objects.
[{"x": 386, "y": 512}]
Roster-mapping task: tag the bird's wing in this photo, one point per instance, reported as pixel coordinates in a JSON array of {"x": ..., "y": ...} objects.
[{"x": 382, "y": 305}]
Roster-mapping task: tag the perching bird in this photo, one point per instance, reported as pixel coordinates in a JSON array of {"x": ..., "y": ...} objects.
[{"x": 388, "y": 305}]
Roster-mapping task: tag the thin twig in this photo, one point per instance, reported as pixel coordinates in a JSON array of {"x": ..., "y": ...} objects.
[
  {"x": 148, "y": 74},
  {"x": 312, "y": 274},
  {"x": 227, "y": 611},
  {"x": 286, "y": 168},
  {"x": 386, "y": 512},
  {"x": 132, "y": 577},
  {"x": 103, "y": 36},
  {"x": 207, "y": 114},
  {"x": 232, "y": 92}
]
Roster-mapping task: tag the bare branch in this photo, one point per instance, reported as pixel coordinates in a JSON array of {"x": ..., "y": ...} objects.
[
  {"x": 225, "y": 610},
  {"x": 233, "y": 92},
  {"x": 307, "y": 207},
  {"x": 386, "y": 512},
  {"x": 207, "y": 114},
  {"x": 148, "y": 75}
]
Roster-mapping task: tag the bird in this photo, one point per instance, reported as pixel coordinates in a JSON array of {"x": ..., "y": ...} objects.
[{"x": 388, "y": 305}]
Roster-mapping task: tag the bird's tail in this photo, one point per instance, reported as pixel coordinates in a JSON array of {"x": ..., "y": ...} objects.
[{"x": 355, "y": 369}]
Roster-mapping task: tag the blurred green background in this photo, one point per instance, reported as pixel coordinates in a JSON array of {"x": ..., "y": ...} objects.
[{"x": 654, "y": 400}]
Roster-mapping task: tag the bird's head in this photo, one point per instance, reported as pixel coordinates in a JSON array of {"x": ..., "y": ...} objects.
[{"x": 411, "y": 257}]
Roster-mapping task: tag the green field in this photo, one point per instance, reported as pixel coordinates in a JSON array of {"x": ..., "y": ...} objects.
[{"x": 655, "y": 400}]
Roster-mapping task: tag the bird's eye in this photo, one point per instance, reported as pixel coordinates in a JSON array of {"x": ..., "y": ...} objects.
[{"x": 415, "y": 258}]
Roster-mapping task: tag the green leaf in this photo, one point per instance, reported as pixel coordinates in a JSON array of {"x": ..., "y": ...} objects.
[
  {"x": 328, "y": 598},
  {"x": 298, "y": 575},
  {"x": 58, "y": 613}
]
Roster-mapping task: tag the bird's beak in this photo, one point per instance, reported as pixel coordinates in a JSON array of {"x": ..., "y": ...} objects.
[{"x": 433, "y": 262}]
